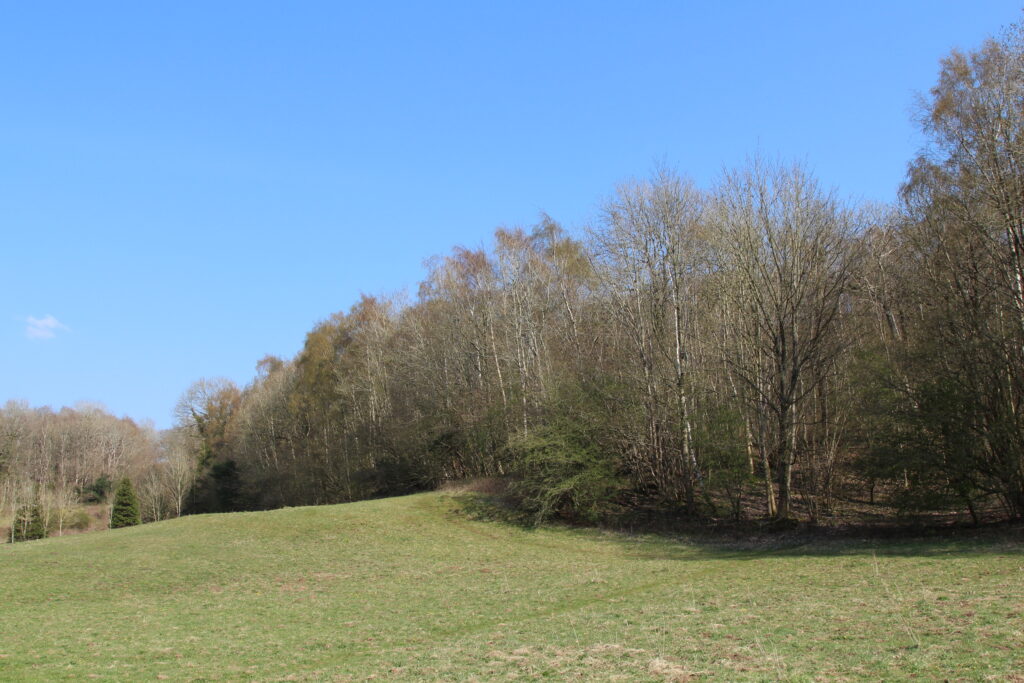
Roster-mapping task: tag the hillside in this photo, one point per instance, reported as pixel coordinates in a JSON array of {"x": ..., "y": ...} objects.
[{"x": 411, "y": 588}]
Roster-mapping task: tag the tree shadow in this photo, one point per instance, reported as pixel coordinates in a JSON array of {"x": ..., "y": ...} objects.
[
  {"x": 911, "y": 541},
  {"x": 662, "y": 538}
]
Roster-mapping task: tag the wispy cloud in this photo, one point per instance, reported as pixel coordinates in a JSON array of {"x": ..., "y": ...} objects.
[{"x": 46, "y": 327}]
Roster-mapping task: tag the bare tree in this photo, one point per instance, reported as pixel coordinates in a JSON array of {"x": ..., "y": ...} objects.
[
  {"x": 789, "y": 256},
  {"x": 652, "y": 253}
]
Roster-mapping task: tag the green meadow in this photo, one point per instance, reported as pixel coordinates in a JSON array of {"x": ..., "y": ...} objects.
[{"x": 414, "y": 588}]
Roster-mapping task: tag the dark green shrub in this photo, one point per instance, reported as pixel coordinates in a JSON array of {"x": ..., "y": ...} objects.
[
  {"x": 227, "y": 484},
  {"x": 97, "y": 491},
  {"x": 218, "y": 489},
  {"x": 561, "y": 473},
  {"x": 126, "y": 506},
  {"x": 28, "y": 523},
  {"x": 720, "y": 438}
]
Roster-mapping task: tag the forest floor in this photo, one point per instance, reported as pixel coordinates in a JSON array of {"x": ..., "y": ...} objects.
[{"x": 414, "y": 588}]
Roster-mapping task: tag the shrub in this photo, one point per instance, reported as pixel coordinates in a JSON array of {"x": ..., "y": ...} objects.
[
  {"x": 561, "y": 473},
  {"x": 126, "y": 506},
  {"x": 721, "y": 439},
  {"x": 78, "y": 519},
  {"x": 28, "y": 524},
  {"x": 97, "y": 491}
]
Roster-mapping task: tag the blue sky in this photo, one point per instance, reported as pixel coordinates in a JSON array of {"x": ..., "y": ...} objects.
[{"x": 186, "y": 187}]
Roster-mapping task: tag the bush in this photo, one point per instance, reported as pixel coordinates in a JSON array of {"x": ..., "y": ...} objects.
[
  {"x": 561, "y": 473},
  {"x": 126, "y": 506},
  {"x": 28, "y": 524},
  {"x": 79, "y": 519},
  {"x": 721, "y": 440},
  {"x": 97, "y": 491}
]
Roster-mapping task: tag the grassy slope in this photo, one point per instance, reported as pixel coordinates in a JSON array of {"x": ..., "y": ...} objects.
[{"x": 407, "y": 587}]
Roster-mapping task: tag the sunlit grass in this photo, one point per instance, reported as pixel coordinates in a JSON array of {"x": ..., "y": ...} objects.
[{"x": 410, "y": 588}]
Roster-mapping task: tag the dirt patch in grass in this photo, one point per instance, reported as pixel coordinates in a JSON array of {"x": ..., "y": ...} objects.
[{"x": 488, "y": 486}]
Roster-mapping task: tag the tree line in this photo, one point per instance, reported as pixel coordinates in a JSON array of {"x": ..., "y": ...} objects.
[
  {"x": 757, "y": 347},
  {"x": 55, "y": 464}
]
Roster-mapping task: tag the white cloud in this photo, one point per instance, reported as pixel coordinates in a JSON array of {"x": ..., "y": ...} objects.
[{"x": 46, "y": 327}]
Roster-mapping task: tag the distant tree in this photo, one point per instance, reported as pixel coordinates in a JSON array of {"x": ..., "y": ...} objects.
[
  {"x": 28, "y": 523},
  {"x": 226, "y": 485},
  {"x": 97, "y": 491},
  {"x": 126, "y": 506},
  {"x": 204, "y": 411},
  {"x": 178, "y": 468},
  {"x": 205, "y": 438}
]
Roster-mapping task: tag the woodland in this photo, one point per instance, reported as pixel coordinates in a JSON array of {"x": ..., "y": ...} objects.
[{"x": 759, "y": 348}]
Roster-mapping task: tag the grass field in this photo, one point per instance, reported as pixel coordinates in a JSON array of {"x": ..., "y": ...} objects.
[{"x": 411, "y": 588}]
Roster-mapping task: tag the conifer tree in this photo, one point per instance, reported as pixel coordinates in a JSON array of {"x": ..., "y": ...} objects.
[
  {"x": 126, "y": 506},
  {"x": 28, "y": 523}
]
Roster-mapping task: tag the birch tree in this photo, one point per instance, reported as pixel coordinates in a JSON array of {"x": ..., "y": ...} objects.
[
  {"x": 965, "y": 202},
  {"x": 651, "y": 249}
]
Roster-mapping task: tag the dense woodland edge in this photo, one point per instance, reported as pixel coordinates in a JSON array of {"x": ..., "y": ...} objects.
[{"x": 756, "y": 349}]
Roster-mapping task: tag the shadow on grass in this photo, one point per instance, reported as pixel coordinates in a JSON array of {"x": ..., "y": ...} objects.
[
  {"x": 660, "y": 537},
  {"x": 491, "y": 508}
]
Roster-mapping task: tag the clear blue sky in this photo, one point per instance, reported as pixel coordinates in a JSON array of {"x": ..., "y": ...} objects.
[{"x": 188, "y": 186}]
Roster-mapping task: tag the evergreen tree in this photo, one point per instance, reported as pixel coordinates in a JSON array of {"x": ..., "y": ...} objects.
[
  {"x": 28, "y": 523},
  {"x": 126, "y": 506}
]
